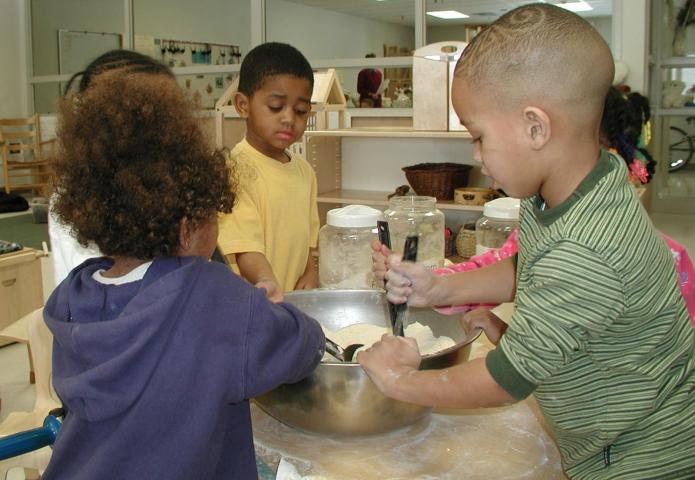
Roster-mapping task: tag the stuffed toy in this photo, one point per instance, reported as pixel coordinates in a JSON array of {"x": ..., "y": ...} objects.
[
  {"x": 401, "y": 98},
  {"x": 672, "y": 95}
]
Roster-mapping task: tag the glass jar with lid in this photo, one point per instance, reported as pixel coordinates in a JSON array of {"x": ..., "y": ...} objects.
[
  {"x": 345, "y": 253},
  {"x": 417, "y": 215},
  {"x": 500, "y": 218}
]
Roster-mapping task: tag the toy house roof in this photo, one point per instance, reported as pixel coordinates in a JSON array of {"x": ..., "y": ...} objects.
[{"x": 327, "y": 93}]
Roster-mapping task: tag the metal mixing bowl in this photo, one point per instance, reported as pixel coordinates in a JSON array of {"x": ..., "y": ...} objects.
[{"x": 339, "y": 398}]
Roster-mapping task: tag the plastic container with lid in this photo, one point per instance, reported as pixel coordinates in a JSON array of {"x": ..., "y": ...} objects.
[
  {"x": 500, "y": 218},
  {"x": 417, "y": 215},
  {"x": 345, "y": 253}
]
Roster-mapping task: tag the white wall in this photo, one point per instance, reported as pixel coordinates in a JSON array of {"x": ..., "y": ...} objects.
[
  {"x": 457, "y": 32},
  {"x": 631, "y": 41},
  {"x": 214, "y": 21},
  {"x": 321, "y": 33},
  {"x": 13, "y": 75}
]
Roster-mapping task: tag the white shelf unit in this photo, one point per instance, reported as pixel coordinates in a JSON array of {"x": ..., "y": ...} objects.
[
  {"x": 662, "y": 63},
  {"x": 323, "y": 150}
]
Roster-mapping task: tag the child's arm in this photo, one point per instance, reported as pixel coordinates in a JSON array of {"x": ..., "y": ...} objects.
[
  {"x": 310, "y": 277},
  {"x": 393, "y": 362},
  {"x": 493, "y": 326},
  {"x": 414, "y": 283},
  {"x": 255, "y": 268}
]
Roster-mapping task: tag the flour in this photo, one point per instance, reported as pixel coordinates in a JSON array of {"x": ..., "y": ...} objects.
[{"x": 368, "y": 335}]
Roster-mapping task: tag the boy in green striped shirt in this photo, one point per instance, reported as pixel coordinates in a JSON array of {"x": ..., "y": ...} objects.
[{"x": 600, "y": 333}]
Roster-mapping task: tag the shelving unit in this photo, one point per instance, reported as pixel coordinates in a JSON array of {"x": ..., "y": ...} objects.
[
  {"x": 324, "y": 152},
  {"x": 371, "y": 197},
  {"x": 662, "y": 62}
]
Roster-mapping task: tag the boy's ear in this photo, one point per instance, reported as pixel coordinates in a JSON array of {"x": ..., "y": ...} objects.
[
  {"x": 184, "y": 236},
  {"x": 537, "y": 127},
  {"x": 241, "y": 104}
]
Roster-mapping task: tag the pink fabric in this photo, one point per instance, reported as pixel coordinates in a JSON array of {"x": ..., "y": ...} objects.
[
  {"x": 686, "y": 274},
  {"x": 684, "y": 267},
  {"x": 508, "y": 249}
]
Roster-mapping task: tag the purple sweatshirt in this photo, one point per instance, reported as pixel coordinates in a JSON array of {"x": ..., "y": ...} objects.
[{"x": 156, "y": 374}]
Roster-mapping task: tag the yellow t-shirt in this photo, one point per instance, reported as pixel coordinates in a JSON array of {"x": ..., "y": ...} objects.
[{"x": 275, "y": 213}]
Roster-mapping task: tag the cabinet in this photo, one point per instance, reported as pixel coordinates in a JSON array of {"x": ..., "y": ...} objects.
[
  {"x": 324, "y": 151},
  {"x": 21, "y": 289}
]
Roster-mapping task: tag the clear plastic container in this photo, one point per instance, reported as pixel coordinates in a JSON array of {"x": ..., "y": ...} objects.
[
  {"x": 345, "y": 253},
  {"x": 417, "y": 215},
  {"x": 500, "y": 218}
]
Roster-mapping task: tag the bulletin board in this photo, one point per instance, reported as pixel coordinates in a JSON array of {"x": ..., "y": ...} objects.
[{"x": 76, "y": 49}]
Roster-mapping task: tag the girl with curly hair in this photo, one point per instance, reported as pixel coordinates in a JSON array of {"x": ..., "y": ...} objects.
[
  {"x": 157, "y": 350},
  {"x": 66, "y": 251}
]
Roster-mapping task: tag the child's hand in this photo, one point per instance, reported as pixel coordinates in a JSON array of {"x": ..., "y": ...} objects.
[
  {"x": 309, "y": 279},
  {"x": 273, "y": 290},
  {"x": 379, "y": 255},
  {"x": 388, "y": 360},
  {"x": 492, "y": 325},
  {"x": 409, "y": 282}
]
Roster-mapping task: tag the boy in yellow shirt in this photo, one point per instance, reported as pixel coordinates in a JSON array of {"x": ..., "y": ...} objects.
[{"x": 268, "y": 237}]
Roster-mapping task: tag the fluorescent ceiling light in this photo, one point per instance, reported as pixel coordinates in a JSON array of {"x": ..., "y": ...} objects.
[
  {"x": 447, "y": 14},
  {"x": 576, "y": 6}
]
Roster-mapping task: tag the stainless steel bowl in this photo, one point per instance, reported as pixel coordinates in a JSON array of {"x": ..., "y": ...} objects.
[{"x": 339, "y": 398}]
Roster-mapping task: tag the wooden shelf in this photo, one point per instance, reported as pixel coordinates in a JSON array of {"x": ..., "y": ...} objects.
[
  {"x": 380, "y": 112},
  {"x": 369, "y": 197},
  {"x": 386, "y": 133}
]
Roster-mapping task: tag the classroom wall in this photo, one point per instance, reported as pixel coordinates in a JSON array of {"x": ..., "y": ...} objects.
[
  {"x": 631, "y": 41},
  {"x": 456, "y": 32},
  {"x": 215, "y": 21},
  {"x": 13, "y": 75},
  {"x": 322, "y": 33}
]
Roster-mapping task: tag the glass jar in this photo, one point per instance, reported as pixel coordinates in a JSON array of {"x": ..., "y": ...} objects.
[
  {"x": 345, "y": 252},
  {"x": 500, "y": 218},
  {"x": 416, "y": 215}
]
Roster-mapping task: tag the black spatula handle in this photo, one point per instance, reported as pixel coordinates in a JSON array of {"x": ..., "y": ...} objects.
[{"x": 409, "y": 255}]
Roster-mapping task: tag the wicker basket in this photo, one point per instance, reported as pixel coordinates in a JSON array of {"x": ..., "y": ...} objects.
[
  {"x": 437, "y": 179},
  {"x": 474, "y": 195},
  {"x": 465, "y": 241}
]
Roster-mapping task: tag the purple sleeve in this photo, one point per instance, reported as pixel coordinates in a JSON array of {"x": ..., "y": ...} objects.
[{"x": 283, "y": 345}]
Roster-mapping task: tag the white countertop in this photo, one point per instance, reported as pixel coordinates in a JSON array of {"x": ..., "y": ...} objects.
[{"x": 498, "y": 443}]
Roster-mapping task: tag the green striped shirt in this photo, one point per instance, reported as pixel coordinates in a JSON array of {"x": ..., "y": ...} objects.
[{"x": 601, "y": 335}]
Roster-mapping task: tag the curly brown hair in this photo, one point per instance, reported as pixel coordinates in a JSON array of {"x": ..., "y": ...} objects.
[{"x": 132, "y": 162}]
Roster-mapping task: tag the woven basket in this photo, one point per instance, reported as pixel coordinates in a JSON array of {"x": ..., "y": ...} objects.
[
  {"x": 474, "y": 195},
  {"x": 465, "y": 241},
  {"x": 437, "y": 179}
]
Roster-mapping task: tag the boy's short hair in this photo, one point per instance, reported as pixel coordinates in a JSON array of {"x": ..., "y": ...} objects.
[
  {"x": 539, "y": 51},
  {"x": 270, "y": 59}
]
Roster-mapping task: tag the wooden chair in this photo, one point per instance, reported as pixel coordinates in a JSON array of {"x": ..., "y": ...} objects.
[
  {"x": 24, "y": 165},
  {"x": 41, "y": 349}
]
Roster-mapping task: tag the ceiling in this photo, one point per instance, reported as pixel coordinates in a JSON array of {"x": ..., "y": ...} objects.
[{"x": 402, "y": 12}]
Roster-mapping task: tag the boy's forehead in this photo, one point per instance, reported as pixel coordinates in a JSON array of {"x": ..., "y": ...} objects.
[{"x": 286, "y": 84}]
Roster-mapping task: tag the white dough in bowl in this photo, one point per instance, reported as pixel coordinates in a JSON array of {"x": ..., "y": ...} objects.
[{"x": 368, "y": 334}]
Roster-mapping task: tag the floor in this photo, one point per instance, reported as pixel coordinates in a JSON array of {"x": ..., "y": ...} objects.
[{"x": 17, "y": 394}]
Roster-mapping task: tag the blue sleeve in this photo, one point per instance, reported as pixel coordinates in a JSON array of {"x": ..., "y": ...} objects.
[{"x": 283, "y": 345}]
